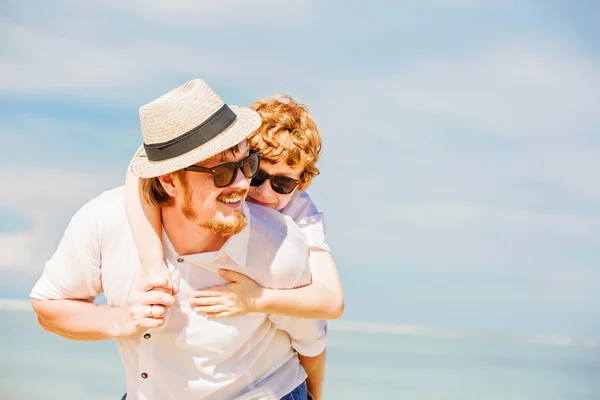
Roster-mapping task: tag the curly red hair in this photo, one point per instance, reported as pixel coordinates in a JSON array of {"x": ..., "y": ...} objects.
[{"x": 288, "y": 134}]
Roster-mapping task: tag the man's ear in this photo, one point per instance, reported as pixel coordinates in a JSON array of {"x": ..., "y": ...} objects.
[{"x": 169, "y": 184}]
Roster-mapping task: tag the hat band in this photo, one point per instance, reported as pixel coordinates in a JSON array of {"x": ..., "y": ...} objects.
[{"x": 194, "y": 138}]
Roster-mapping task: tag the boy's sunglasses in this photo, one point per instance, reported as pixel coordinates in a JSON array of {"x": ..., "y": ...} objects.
[
  {"x": 279, "y": 184},
  {"x": 224, "y": 174}
]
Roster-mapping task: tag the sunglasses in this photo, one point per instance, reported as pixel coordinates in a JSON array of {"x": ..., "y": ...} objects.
[
  {"x": 224, "y": 174},
  {"x": 279, "y": 184}
]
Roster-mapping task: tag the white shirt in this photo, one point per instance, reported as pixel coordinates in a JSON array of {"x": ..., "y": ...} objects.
[
  {"x": 191, "y": 357},
  {"x": 308, "y": 218}
]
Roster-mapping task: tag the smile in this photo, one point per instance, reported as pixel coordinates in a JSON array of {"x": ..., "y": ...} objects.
[{"x": 231, "y": 200}]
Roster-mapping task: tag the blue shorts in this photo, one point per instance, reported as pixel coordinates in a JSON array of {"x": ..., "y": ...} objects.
[{"x": 300, "y": 393}]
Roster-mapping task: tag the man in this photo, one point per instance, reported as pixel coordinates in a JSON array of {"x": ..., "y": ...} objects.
[{"x": 197, "y": 166}]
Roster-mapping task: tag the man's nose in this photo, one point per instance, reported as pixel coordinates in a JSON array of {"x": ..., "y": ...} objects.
[{"x": 240, "y": 182}]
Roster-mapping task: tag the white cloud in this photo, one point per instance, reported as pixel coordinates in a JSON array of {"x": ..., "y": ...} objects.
[
  {"x": 47, "y": 197},
  {"x": 481, "y": 163},
  {"x": 505, "y": 195},
  {"x": 16, "y": 250},
  {"x": 509, "y": 90},
  {"x": 47, "y": 63},
  {"x": 194, "y": 13},
  {"x": 84, "y": 56},
  {"x": 525, "y": 86}
]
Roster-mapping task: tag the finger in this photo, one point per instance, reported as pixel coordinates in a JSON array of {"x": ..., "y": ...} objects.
[
  {"x": 213, "y": 292},
  {"x": 157, "y": 311},
  {"x": 149, "y": 322},
  {"x": 175, "y": 288},
  {"x": 156, "y": 297},
  {"x": 139, "y": 312},
  {"x": 211, "y": 309},
  {"x": 220, "y": 315},
  {"x": 232, "y": 275},
  {"x": 151, "y": 282},
  {"x": 206, "y": 301}
]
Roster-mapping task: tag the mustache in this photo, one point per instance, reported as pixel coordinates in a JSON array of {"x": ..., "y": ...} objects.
[{"x": 233, "y": 195}]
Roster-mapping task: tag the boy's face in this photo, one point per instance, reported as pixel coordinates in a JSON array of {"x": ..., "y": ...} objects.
[{"x": 264, "y": 194}]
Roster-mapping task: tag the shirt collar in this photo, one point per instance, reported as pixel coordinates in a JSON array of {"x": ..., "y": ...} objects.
[{"x": 236, "y": 247}]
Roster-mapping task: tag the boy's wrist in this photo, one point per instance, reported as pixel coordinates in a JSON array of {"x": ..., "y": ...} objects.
[{"x": 263, "y": 303}]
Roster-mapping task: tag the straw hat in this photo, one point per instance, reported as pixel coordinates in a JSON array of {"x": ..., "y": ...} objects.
[{"x": 187, "y": 125}]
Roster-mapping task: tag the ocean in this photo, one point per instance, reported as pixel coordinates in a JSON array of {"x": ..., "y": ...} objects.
[{"x": 362, "y": 364}]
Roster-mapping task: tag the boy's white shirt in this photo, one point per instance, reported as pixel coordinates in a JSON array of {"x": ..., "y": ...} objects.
[{"x": 308, "y": 218}]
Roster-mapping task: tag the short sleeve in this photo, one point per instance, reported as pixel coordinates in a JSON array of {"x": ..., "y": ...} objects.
[
  {"x": 308, "y": 336},
  {"x": 308, "y": 218},
  {"x": 74, "y": 271}
]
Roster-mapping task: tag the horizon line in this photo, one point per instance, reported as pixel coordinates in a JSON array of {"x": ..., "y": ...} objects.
[{"x": 404, "y": 330}]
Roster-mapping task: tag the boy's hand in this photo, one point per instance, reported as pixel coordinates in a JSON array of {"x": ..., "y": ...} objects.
[
  {"x": 161, "y": 273},
  {"x": 145, "y": 308},
  {"x": 239, "y": 297}
]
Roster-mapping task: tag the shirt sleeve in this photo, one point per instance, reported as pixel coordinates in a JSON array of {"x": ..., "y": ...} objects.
[
  {"x": 74, "y": 271},
  {"x": 308, "y": 336},
  {"x": 308, "y": 218}
]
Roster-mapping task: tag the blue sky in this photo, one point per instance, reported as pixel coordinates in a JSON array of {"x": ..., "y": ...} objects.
[{"x": 461, "y": 138}]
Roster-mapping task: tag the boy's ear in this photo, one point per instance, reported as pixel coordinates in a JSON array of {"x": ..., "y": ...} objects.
[{"x": 168, "y": 183}]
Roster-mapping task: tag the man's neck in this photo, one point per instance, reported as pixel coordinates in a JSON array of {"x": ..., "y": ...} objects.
[{"x": 187, "y": 237}]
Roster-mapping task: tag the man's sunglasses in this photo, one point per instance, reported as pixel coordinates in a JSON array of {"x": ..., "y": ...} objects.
[
  {"x": 279, "y": 184},
  {"x": 224, "y": 174}
]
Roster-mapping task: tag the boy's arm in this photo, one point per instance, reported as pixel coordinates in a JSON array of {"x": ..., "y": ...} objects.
[
  {"x": 146, "y": 227},
  {"x": 322, "y": 299}
]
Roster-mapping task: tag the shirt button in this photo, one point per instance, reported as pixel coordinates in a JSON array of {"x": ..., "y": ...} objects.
[
  {"x": 144, "y": 375},
  {"x": 147, "y": 336},
  {"x": 180, "y": 259}
]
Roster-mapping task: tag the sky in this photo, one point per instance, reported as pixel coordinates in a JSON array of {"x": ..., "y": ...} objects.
[{"x": 459, "y": 175}]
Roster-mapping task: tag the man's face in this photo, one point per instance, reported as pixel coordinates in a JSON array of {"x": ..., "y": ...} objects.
[{"x": 210, "y": 207}]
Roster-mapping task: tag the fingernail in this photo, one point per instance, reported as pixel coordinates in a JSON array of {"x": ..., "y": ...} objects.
[{"x": 222, "y": 271}]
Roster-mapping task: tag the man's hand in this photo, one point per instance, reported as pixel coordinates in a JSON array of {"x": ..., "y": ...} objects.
[
  {"x": 146, "y": 308},
  {"x": 239, "y": 297}
]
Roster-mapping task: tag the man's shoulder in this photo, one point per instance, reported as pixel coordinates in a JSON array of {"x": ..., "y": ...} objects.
[
  {"x": 109, "y": 201},
  {"x": 106, "y": 210},
  {"x": 277, "y": 250},
  {"x": 266, "y": 221}
]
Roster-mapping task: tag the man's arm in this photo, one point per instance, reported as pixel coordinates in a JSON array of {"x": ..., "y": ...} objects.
[
  {"x": 63, "y": 296},
  {"x": 85, "y": 321},
  {"x": 77, "y": 319}
]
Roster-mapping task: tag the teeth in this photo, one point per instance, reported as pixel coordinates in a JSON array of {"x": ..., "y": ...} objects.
[{"x": 233, "y": 199}]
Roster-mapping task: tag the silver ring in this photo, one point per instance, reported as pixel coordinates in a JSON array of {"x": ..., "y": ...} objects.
[{"x": 152, "y": 311}]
